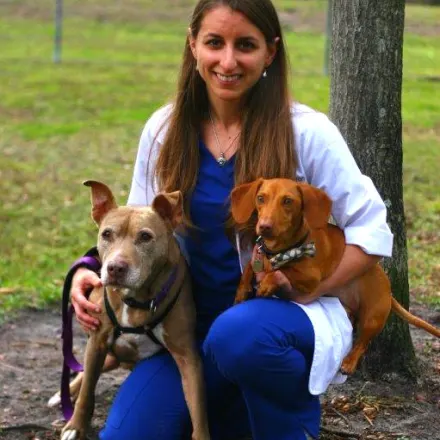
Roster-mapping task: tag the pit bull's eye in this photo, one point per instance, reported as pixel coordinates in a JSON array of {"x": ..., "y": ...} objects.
[
  {"x": 287, "y": 201},
  {"x": 106, "y": 234},
  {"x": 260, "y": 199},
  {"x": 145, "y": 236}
]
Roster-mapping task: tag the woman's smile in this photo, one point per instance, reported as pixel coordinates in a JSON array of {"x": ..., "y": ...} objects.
[{"x": 228, "y": 79}]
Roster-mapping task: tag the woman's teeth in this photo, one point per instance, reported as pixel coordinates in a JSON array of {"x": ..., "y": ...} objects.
[{"x": 228, "y": 78}]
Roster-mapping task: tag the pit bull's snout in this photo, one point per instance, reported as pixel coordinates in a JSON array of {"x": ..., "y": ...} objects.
[{"x": 117, "y": 270}]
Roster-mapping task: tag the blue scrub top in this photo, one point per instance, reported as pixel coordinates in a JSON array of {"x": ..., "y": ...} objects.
[{"x": 214, "y": 263}]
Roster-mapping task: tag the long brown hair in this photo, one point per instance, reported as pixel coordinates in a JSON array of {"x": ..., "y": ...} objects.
[{"x": 266, "y": 142}]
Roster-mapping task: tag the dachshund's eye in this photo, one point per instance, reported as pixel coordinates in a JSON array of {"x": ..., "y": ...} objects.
[
  {"x": 106, "y": 234},
  {"x": 145, "y": 236},
  {"x": 260, "y": 199},
  {"x": 287, "y": 201}
]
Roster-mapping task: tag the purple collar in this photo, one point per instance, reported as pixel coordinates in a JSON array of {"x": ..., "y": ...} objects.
[{"x": 153, "y": 304}]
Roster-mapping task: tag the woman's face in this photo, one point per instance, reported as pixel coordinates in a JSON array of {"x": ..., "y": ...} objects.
[{"x": 231, "y": 53}]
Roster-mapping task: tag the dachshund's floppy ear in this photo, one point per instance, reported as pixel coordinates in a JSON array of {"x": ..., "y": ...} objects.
[
  {"x": 317, "y": 205},
  {"x": 243, "y": 200},
  {"x": 102, "y": 200}
]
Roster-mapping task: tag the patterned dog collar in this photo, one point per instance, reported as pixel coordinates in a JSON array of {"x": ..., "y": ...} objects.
[{"x": 293, "y": 254}]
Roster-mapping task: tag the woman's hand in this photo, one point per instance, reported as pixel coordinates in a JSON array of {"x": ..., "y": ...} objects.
[
  {"x": 286, "y": 289},
  {"x": 280, "y": 280},
  {"x": 84, "y": 280}
]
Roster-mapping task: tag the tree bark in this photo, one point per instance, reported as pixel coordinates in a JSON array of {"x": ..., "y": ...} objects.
[{"x": 365, "y": 103}]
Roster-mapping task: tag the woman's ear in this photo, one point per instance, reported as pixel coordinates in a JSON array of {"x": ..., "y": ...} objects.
[
  {"x": 272, "y": 49},
  {"x": 192, "y": 43},
  {"x": 243, "y": 201}
]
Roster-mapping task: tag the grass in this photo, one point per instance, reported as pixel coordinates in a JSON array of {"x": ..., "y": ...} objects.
[{"x": 62, "y": 124}]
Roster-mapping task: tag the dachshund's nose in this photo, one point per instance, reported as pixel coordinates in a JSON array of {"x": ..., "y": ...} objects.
[{"x": 265, "y": 226}]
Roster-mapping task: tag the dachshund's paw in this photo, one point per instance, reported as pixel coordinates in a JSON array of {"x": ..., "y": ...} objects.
[
  {"x": 240, "y": 297},
  {"x": 243, "y": 293},
  {"x": 349, "y": 365},
  {"x": 266, "y": 289}
]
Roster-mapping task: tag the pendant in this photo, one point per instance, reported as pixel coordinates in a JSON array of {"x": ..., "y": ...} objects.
[
  {"x": 258, "y": 264},
  {"x": 221, "y": 160}
]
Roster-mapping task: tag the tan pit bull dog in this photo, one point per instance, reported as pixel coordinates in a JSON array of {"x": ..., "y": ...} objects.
[{"x": 146, "y": 288}]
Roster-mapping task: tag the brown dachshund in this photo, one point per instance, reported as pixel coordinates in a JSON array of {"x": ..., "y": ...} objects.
[{"x": 296, "y": 238}]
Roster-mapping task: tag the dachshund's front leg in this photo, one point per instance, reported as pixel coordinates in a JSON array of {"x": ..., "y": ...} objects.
[
  {"x": 244, "y": 289},
  {"x": 268, "y": 285}
]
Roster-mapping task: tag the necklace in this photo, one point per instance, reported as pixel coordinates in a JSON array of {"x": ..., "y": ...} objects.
[{"x": 221, "y": 159}]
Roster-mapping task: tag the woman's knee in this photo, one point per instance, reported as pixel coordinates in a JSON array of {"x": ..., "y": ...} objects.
[
  {"x": 149, "y": 404},
  {"x": 235, "y": 339},
  {"x": 260, "y": 335}
]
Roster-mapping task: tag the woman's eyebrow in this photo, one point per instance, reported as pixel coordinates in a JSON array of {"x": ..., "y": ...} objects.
[
  {"x": 247, "y": 38},
  {"x": 240, "y": 38},
  {"x": 212, "y": 35}
]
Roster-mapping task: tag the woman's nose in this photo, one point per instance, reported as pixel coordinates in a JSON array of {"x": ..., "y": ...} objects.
[{"x": 228, "y": 60}]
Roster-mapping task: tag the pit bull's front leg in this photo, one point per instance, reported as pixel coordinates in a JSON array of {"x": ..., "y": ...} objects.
[
  {"x": 95, "y": 353},
  {"x": 191, "y": 371},
  {"x": 110, "y": 364}
]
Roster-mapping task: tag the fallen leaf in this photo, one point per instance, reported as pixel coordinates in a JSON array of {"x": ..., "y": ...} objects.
[
  {"x": 58, "y": 423},
  {"x": 419, "y": 397},
  {"x": 9, "y": 290},
  {"x": 370, "y": 412}
]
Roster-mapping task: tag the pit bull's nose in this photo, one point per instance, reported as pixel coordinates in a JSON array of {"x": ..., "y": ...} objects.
[{"x": 117, "y": 269}]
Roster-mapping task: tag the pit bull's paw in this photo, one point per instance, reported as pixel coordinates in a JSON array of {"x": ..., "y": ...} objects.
[
  {"x": 71, "y": 432},
  {"x": 55, "y": 400}
]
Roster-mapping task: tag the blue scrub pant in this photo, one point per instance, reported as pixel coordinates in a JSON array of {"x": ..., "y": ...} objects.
[{"x": 256, "y": 356}]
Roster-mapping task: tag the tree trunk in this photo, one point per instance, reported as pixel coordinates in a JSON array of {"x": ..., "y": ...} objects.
[{"x": 365, "y": 103}]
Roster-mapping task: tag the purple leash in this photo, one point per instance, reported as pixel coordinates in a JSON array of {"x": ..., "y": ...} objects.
[{"x": 70, "y": 362}]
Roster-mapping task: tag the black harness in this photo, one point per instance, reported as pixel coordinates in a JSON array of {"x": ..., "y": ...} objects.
[{"x": 150, "y": 305}]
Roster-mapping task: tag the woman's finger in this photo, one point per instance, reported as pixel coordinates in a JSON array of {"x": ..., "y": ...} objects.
[
  {"x": 283, "y": 282},
  {"x": 84, "y": 318},
  {"x": 84, "y": 303},
  {"x": 82, "y": 307}
]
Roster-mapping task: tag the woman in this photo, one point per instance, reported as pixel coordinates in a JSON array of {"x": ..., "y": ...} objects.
[{"x": 266, "y": 361}]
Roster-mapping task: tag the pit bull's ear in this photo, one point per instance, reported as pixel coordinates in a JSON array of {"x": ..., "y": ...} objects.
[
  {"x": 317, "y": 205},
  {"x": 102, "y": 200},
  {"x": 243, "y": 200},
  {"x": 170, "y": 207}
]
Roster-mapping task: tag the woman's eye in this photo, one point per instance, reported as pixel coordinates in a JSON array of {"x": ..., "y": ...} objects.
[
  {"x": 246, "y": 45},
  {"x": 214, "y": 43},
  {"x": 145, "y": 236},
  {"x": 106, "y": 234}
]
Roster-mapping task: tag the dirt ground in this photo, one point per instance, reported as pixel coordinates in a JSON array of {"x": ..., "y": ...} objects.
[{"x": 30, "y": 370}]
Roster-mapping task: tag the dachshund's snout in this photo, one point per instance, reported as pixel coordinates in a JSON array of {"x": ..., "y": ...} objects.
[{"x": 265, "y": 226}]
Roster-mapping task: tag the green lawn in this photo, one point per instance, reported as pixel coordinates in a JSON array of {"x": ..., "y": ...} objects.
[{"x": 62, "y": 124}]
